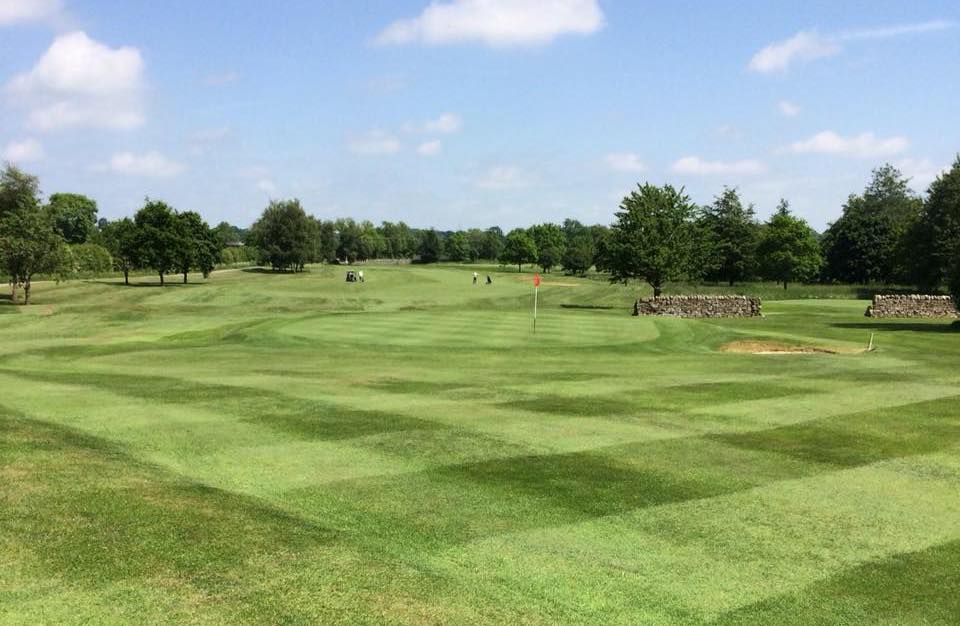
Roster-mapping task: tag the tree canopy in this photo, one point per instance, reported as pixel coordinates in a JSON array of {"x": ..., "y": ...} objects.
[
  {"x": 653, "y": 237},
  {"x": 74, "y": 216},
  {"x": 788, "y": 250},
  {"x": 518, "y": 248}
]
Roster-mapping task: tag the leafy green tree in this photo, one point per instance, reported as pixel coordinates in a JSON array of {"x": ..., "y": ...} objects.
[
  {"x": 430, "y": 247},
  {"x": 730, "y": 238},
  {"x": 74, "y": 216},
  {"x": 197, "y": 245},
  {"x": 29, "y": 241},
  {"x": 936, "y": 237},
  {"x": 578, "y": 257},
  {"x": 518, "y": 248},
  {"x": 348, "y": 240},
  {"x": 458, "y": 247},
  {"x": 653, "y": 238},
  {"x": 492, "y": 244},
  {"x": 866, "y": 244},
  {"x": 788, "y": 250},
  {"x": 122, "y": 239},
  {"x": 158, "y": 233},
  {"x": 282, "y": 235},
  {"x": 229, "y": 235},
  {"x": 551, "y": 244}
]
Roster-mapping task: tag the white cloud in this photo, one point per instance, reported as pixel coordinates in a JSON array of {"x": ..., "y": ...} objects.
[
  {"x": 696, "y": 165},
  {"x": 804, "y": 46},
  {"x": 921, "y": 172},
  {"x": 496, "y": 22},
  {"x": 446, "y": 124},
  {"x": 789, "y": 109},
  {"x": 625, "y": 162},
  {"x": 79, "y": 82},
  {"x": 16, "y": 11},
  {"x": 374, "y": 142},
  {"x": 24, "y": 151},
  {"x": 504, "y": 177},
  {"x": 865, "y": 145},
  {"x": 430, "y": 148},
  {"x": 808, "y": 46},
  {"x": 152, "y": 164}
]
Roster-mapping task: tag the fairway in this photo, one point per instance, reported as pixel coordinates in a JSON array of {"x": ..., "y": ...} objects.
[{"x": 291, "y": 449}]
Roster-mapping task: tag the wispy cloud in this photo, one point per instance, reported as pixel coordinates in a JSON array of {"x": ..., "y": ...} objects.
[
  {"x": 20, "y": 11},
  {"x": 430, "y": 148},
  {"x": 788, "y": 109},
  {"x": 151, "y": 164},
  {"x": 495, "y": 22},
  {"x": 504, "y": 177},
  {"x": 701, "y": 167},
  {"x": 374, "y": 143},
  {"x": 624, "y": 162},
  {"x": 23, "y": 151},
  {"x": 447, "y": 123},
  {"x": 806, "y": 46},
  {"x": 864, "y": 145}
]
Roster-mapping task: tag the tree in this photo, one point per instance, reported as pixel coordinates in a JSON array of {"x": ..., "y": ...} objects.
[
  {"x": 518, "y": 248},
  {"x": 197, "y": 245},
  {"x": 29, "y": 242},
  {"x": 730, "y": 238},
  {"x": 788, "y": 250},
  {"x": 458, "y": 247},
  {"x": 936, "y": 237},
  {"x": 653, "y": 237},
  {"x": 282, "y": 235},
  {"x": 158, "y": 237},
  {"x": 88, "y": 259},
  {"x": 430, "y": 247},
  {"x": 865, "y": 244},
  {"x": 578, "y": 257},
  {"x": 551, "y": 244},
  {"x": 122, "y": 239},
  {"x": 229, "y": 235},
  {"x": 74, "y": 216},
  {"x": 491, "y": 245}
]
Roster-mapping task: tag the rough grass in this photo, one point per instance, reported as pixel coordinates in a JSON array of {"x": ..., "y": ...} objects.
[{"x": 292, "y": 449}]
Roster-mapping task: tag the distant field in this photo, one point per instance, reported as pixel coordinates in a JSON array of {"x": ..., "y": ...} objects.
[{"x": 293, "y": 449}]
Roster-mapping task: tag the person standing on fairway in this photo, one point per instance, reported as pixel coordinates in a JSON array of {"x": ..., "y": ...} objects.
[
  {"x": 360, "y": 275},
  {"x": 475, "y": 277}
]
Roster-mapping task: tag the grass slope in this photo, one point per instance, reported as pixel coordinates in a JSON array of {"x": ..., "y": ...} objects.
[{"x": 293, "y": 449}]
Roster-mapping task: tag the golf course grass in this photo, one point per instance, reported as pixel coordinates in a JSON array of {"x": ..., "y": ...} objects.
[{"x": 293, "y": 449}]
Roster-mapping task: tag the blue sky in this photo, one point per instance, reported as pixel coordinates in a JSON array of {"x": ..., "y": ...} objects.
[{"x": 465, "y": 113}]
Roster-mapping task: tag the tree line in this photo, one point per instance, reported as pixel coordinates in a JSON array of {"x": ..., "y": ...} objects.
[{"x": 885, "y": 235}]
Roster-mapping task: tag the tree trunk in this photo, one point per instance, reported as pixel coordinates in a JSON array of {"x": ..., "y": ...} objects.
[
  {"x": 126, "y": 276},
  {"x": 184, "y": 278},
  {"x": 731, "y": 282},
  {"x": 784, "y": 285},
  {"x": 657, "y": 290},
  {"x": 519, "y": 267},
  {"x": 13, "y": 290},
  {"x": 26, "y": 291},
  {"x": 161, "y": 279}
]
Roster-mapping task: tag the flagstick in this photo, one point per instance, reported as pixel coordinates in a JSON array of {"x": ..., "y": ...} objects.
[{"x": 536, "y": 292}]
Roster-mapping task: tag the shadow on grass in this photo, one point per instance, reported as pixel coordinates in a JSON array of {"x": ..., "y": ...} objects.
[
  {"x": 920, "y": 327},
  {"x": 267, "y": 270},
  {"x": 136, "y": 284}
]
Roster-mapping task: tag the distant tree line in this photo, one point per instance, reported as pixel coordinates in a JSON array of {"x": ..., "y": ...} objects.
[{"x": 885, "y": 235}]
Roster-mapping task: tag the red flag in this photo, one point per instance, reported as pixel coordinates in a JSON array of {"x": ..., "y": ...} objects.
[{"x": 536, "y": 280}]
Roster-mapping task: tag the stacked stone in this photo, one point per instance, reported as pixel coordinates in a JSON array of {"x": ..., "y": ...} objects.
[
  {"x": 699, "y": 306},
  {"x": 912, "y": 306}
]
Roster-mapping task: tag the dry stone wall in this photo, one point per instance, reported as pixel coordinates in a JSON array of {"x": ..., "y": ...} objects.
[
  {"x": 699, "y": 306},
  {"x": 912, "y": 306}
]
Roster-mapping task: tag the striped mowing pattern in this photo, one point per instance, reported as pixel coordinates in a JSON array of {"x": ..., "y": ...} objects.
[{"x": 292, "y": 449}]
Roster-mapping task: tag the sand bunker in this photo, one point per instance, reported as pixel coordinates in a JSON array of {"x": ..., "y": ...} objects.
[{"x": 755, "y": 346}]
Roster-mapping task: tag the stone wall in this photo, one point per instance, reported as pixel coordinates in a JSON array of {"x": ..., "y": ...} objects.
[
  {"x": 912, "y": 306},
  {"x": 699, "y": 306}
]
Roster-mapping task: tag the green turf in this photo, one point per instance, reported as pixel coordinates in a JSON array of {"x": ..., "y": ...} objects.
[{"x": 293, "y": 449}]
